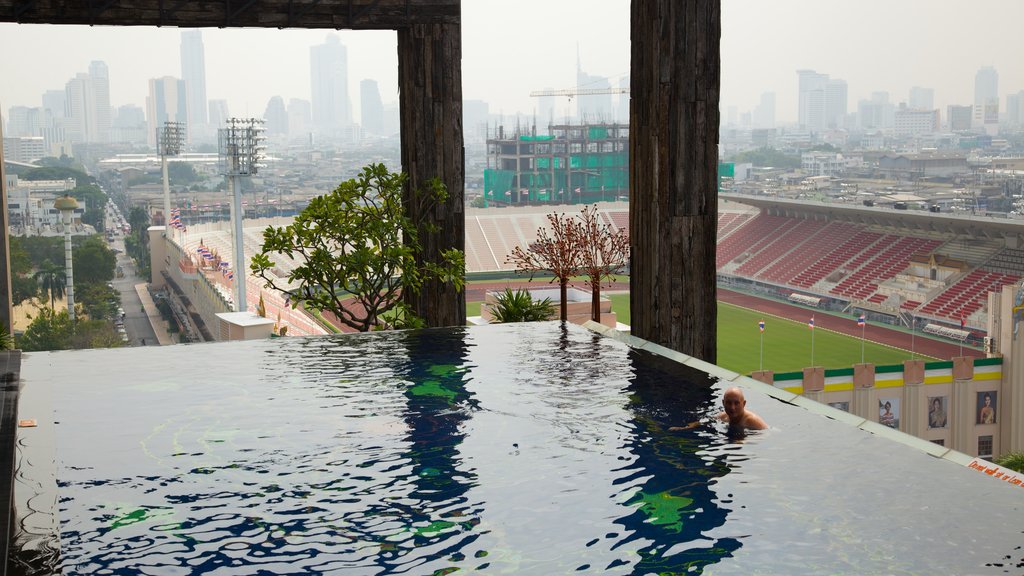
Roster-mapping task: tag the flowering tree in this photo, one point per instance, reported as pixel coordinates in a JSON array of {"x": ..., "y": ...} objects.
[
  {"x": 558, "y": 253},
  {"x": 603, "y": 252},
  {"x": 358, "y": 250}
]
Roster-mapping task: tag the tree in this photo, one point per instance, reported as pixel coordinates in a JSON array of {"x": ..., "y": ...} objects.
[
  {"x": 558, "y": 253},
  {"x": 23, "y": 284},
  {"x": 98, "y": 300},
  {"x": 52, "y": 281},
  {"x": 354, "y": 262},
  {"x": 1012, "y": 460},
  {"x": 93, "y": 262},
  {"x": 603, "y": 252},
  {"x": 49, "y": 330},
  {"x": 519, "y": 306}
]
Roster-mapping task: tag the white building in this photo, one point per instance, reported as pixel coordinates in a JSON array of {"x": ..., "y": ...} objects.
[
  {"x": 25, "y": 149},
  {"x": 822, "y": 164},
  {"x": 912, "y": 122},
  {"x": 167, "y": 102}
]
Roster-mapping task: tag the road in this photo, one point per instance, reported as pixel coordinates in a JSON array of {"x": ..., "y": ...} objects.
[{"x": 136, "y": 323}]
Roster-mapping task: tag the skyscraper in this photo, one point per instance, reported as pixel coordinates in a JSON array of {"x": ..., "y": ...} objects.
[
  {"x": 167, "y": 102},
  {"x": 218, "y": 113},
  {"x": 811, "y": 100},
  {"x": 836, "y": 104},
  {"x": 276, "y": 117},
  {"x": 100, "y": 78},
  {"x": 193, "y": 72},
  {"x": 78, "y": 101},
  {"x": 300, "y": 117},
  {"x": 764, "y": 113},
  {"x": 332, "y": 108},
  {"x": 371, "y": 109},
  {"x": 986, "y": 86},
  {"x": 986, "y": 100},
  {"x": 922, "y": 98}
]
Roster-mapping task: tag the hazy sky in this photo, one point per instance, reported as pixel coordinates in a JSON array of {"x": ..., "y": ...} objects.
[{"x": 511, "y": 47}]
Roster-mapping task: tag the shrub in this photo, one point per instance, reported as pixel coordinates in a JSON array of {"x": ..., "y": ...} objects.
[{"x": 519, "y": 306}]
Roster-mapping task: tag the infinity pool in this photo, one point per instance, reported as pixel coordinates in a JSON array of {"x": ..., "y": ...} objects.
[{"x": 507, "y": 449}]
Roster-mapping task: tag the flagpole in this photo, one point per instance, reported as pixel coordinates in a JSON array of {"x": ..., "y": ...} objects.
[{"x": 863, "y": 325}]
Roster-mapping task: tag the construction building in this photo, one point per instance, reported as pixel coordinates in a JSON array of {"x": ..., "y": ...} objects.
[{"x": 572, "y": 164}]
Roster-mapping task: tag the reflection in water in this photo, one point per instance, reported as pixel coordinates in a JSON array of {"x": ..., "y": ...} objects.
[
  {"x": 436, "y": 514},
  {"x": 673, "y": 503}
]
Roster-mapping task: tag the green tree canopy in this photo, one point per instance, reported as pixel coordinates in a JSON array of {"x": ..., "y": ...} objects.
[
  {"x": 41, "y": 249},
  {"x": 359, "y": 241},
  {"x": 58, "y": 173},
  {"x": 181, "y": 173},
  {"x": 768, "y": 157},
  {"x": 93, "y": 262},
  {"x": 49, "y": 330}
]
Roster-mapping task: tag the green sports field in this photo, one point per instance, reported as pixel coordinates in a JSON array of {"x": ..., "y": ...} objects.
[{"x": 787, "y": 344}]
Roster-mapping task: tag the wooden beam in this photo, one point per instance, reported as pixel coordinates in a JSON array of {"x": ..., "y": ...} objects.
[
  {"x": 333, "y": 14},
  {"x": 673, "y": 172},
  {"x": 430, "y": 108}
]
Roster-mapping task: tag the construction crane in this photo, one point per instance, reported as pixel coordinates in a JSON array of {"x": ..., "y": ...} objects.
[{"x": 570, "y": 92}]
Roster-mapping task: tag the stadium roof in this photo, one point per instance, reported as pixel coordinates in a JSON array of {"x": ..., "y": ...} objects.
[{"x": 919, "y": 222}]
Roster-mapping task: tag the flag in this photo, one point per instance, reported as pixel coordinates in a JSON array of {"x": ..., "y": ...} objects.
[
  {"x": 760, "y": 325},
  {"x": 810, "y": 323},
  {"x": 861, "y": 320},
  {"x": 577, "y": 190},
  {"x": 963, "y": 322}
]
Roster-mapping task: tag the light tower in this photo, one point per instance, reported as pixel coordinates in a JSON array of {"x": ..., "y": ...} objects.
[
  {"x": 67, "y": 205},
  {"x": 168, "y": 143},
  {"x": 241, "y": 149}
]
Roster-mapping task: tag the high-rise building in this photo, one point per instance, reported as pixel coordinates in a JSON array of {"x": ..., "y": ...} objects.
[
  {"x": 128, "y": 125},
  {"x": 55, "y": 103},
  {"x": 922, "y": 98},
  {"x": 193, "y": 72},
  {"x": 78, "y": 104},
  {"x": 371, "y": 109},
  {"x": 218, "y": 113},
  {"x": 811, "y": 100},
  {"x": 764, "y": 113},
  {"x": 23, "y": 122},
  {"x": 913, "y": 121},
  {"x": 836, "y": 103},
  {"x": 300, "y": 118},
  {"x": 959, "y": 117},
  {"x": 475, "y": 114},
  {"x": 986, "y": 85},
  {"x": 100, "y": 78},
  {"x": 986, "y": 100},
  {"x": 167, "y": 102},
  {"x": 332, "y": 108},
  {"x": 877, "y": 112},
  {"x": 593, "y": 108},
  {"x": 276, "y": 117},
  {"x": 1015, "y": 109}
]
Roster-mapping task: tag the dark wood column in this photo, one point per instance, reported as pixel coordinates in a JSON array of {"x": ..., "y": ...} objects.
[
  {"x": 673, "y": 147},
  {"x": 430, "y": 100}
]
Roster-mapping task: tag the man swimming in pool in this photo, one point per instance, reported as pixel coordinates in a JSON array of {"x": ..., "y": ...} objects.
[{"x": 735, "y": 413}]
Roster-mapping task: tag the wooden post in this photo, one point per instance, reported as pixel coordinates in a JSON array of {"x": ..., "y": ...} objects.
[
  {"x": 430, "y": 100},
  {"x": 673, "y": 145},
  {"x": 6, "y": 307}
]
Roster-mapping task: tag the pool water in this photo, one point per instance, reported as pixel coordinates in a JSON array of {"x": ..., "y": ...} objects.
[{"x": 507, "y": 449}]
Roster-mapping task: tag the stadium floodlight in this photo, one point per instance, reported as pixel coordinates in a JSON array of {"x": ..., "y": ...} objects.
[
  {"x": 241, "y": 150},
  {"x": 169, "y": 140}
]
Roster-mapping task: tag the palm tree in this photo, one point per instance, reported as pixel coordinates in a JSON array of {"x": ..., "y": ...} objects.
[{"x": 52, "y": 280}]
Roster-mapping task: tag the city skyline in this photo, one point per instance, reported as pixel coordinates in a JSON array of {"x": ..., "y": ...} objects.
[{"x": 873, "y": 48}]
